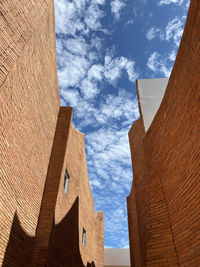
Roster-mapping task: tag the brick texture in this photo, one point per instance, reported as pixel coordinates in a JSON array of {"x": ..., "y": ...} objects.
[
  {"x": 167, "y": 219},
  {"x": 66, "y": 240},
  {"x": 136, "y": 200},
  {"x": 52, "y": 183},
  {"x": 29, "y": 105},
  {"x": 37, "y": 143}
]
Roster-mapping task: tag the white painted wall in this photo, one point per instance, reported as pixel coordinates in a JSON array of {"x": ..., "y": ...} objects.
[
  {"x": 116, "y": 257},
  {"x": 151, "y": 92}
]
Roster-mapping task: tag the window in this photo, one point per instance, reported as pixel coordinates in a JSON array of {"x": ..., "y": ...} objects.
[
  {"x": 66, "y": 182},
  {"x": 84, "y": 237}
]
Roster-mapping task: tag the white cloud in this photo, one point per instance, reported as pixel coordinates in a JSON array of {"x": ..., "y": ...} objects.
[
  {"x": 68, "y": 17},
  {"x": 114, "y": 68},
  {"x": 153, "y": 33},
  {"x": 116, "y": 7},
  {"x": 100, "y": 2},
  {"x": 172, "y": 33},
  {"x": 71, "y": 97},
  {"x": 111, "y": 109},
  {"x": 78, "y": 15},
  {"x": 167, "y": 2},
  {"x": 77, "y": 58},
  {"x": 76, "y": 46},
  {"x": 86, "y": 70},
  {"x": 96, "y": 72},
  {"x": 174, "y": 30},
  {"x": 187, "y": 4},
  {"x": 172, "y": 55},
  {"x": 109, "y": 145},
  {"x": 159, "y": 64},
  {"x": 96, "y": 43},
  {"x": 76, "y": 67},
  {"x": 116, "y": 222},
  {"x": 108, "y": 157},
  {"x": 93, "y": 16},
  {"x": 96, "y": 183},
  {"x": 132, "y": 75},
  {"x": 72, "y": 69},
  {"x": 89, "y": 88}
]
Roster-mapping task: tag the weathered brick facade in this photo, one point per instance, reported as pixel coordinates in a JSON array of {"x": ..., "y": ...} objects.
[
  {"x": 164, "y": 203},
  {"x": 37, "y": 144}
]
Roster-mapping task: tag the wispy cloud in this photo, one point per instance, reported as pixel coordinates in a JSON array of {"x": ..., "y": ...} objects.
[
  {"x": 77, "y": 66},
  {"x": 116, "y": 7},
  {"x": 167, "y": 2},
  {"x": 153, "y": 33},
  {"x": 172, "y": 55},
  {"x": 109, "y": 163},
  {"x": 160, "y": 64},
  {"x": 108, "y": 155},
  {"x": 80, "y": 62},
  {"x": 75, "y": 16},
  {"x": 114, "y": 67},
  {"x": 93, "y": 15},
  {"x": 173, "y": 31},
  {"x": 88, "y": 74},
  {"x": 111, "y": 109}
]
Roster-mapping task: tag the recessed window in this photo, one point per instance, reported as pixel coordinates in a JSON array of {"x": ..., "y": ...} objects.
[
  {"x": 84, "y": 237},
  {"x": 66, "y": 182}
]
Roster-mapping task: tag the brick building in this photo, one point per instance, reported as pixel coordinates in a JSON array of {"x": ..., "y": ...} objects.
[
  {"x": 46, "y": 207},
  {"x": 164, "y": 203}
]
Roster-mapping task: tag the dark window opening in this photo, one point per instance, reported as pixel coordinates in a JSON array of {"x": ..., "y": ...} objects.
[
  {"x": 84, "y": 237},
  {"x": 66, "y": 182}
]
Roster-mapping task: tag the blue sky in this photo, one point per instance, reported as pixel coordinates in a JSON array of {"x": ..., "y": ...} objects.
[{"x": 102, "y": 47}]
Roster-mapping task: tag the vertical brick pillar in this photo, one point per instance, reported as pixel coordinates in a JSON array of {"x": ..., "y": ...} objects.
[
  {"x": 52, "y": 183},
  {"x": 136, "y": 201}
]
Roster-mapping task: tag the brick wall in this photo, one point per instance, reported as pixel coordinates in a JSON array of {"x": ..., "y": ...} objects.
[
  {"x": 136, "y": 200},
  {"x": 37, "y": 143},
  {"x": 172, "y": 158},
  {"x": 47, "y": 210},
  {"x": 29, "y": 105},
  {"x": 74, "y": 211}
]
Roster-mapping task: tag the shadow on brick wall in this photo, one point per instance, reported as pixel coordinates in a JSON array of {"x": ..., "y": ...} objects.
[
  {"x": 64, "y": 242},
  {"x": 63, "y": 245},
  {"x": 19, "y": 248}
]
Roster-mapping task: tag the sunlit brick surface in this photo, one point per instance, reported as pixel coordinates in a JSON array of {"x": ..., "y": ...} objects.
[
  {"x": 36, "y": 145},
  {"x": 75, "y": 211},
  {"x": 29, "y": 105},
  {"x": 164, "y": 204}
]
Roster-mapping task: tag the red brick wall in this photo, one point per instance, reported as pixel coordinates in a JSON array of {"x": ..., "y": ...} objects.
[
  {"x": 29, "y": 105},
  {"x": 172, "y": 158},
  {"x": 75, "y": 211},
  {"x": 47, "y": 210},
  {"x": 136, "y": 200},
  {"x": 36, "y": 146}
]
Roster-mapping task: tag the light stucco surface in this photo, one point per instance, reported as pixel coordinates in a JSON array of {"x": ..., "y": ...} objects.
[
  {"x": 150, "y": 92},
  {"x": 116, "y": 257}
]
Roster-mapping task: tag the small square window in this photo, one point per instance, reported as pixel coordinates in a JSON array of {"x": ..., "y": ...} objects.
[
  {"x": 66, "y": 182},
  {"x": 84, "y": 237}
]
